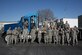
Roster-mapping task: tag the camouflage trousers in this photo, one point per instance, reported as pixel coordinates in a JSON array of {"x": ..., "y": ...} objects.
[
  {"x": 7, "y": 39},
  {"x": 25, "y": 38},
  {"x": 55, "y": 38},
  {"x": 45, "y": 38},
  {"x": 33, "y": 37},
  {"x": 14, "y": 38},
  {"x": 39, "y": 38},
  {"x": 61, "y": 38},
  {"x": 75, "y": 40},
  {"x": 68, "y": 38}
]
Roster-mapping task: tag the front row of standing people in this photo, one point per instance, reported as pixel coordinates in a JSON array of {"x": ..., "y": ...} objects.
[{"x": 58, "y": 35}]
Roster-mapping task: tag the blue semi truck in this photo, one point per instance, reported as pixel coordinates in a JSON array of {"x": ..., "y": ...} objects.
[{"x": 29, "y": 18}]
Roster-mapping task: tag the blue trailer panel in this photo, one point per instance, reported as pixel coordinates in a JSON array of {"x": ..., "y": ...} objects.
[{"x": 6, "y": 26}]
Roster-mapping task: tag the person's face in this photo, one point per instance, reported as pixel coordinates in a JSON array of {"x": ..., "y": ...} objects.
[{"x": 66, "y": 21}]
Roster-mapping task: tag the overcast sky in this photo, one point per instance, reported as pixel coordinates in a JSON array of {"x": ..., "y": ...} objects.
[{"x": 13, "y": 10}]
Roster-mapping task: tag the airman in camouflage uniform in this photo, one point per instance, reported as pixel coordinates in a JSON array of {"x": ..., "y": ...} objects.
[
  {"x": 33, "y": 34},
  {"x": 50, "y": 33},
  {"x": 55, "y": 35},
  {"x": 20, "y": 33},
  {"x": 21, "y": 37},
  {"x": 25, "y": 34},
  {"x": 61, "y": 36},
  {"x": 67, "y": 31},
  {"x": 67, "y": 25},
  {"x": 75, "y": 32},
  {"x": 9, "y": 35},
  {"x": 15, "y": 35},
  {"x": 25, "y": 24},
  {"x": 39, "y": 35},
  {"x": 44, "y": 31}
]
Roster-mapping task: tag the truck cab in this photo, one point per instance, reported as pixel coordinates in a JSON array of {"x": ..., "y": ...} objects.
[{"x": 31, "y": 19}]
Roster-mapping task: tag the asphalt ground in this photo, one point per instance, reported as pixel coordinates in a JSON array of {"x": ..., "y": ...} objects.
[{"x": 39, "y": 49}]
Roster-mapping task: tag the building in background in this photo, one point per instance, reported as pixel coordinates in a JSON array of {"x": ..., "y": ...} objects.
[
  {"x": 72, "y": 21},
  {"x": 75, "y": 22}
]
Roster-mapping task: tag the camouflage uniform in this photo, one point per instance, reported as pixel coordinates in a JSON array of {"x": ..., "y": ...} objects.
[
  {"x": 20, "y": 34},
  {"x": 39, "y": 36},
  {"x": 61, "y": 36},
  {"x": 67, "y": 31},
  {"x": 45, "y": 34},
  {"x": 67, "y": 25},
  {"x": 61, "y": 23},
  {"x": 9, "y": 35},
  {"x": 25, "y": 25},
  {"x": 55, "y": 35},
  {"x": 14, "y": 35},
  {"x": 45, "y": 37},
  {"x": 50, "y": 33},
  {"x": 33, "y": 35},
  {"x": 25, "y": 35},
  {"x": 75, "y": 32}
]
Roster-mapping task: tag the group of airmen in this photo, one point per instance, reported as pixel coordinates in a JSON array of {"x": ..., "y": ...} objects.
[{"x": 50, "y": 32}]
